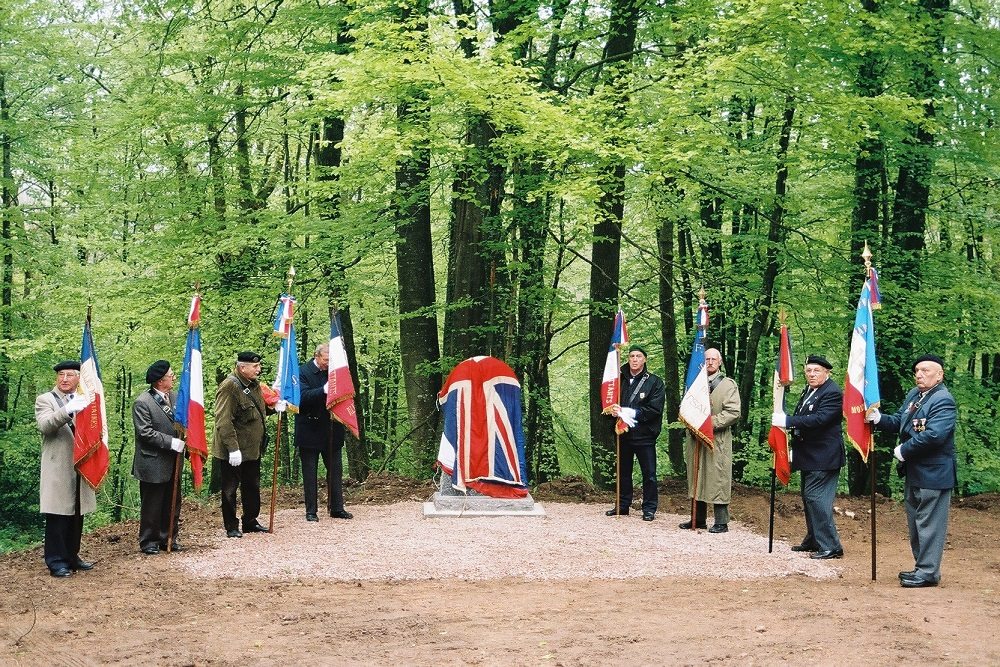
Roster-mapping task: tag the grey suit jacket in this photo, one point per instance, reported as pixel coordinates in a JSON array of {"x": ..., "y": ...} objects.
[{"x": 154, "y": 460}]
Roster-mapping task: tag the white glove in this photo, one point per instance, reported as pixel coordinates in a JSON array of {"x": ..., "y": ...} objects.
[
  {"x": 281, "y": 406},
  {"x": 235, "y": 458},
  {"x": 875, "y": 417},
  {"x": 627, "y": 415},
  {"x": 77, "y": 403},
  {"x": 177, "y": 445},
  {"x": 326, "y": 387},
  {"x": 779, "y": 419},
  {"x": 898, "y": 453}
]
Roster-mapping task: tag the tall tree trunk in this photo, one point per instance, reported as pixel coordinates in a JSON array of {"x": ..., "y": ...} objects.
[
  {"x": 606, "y": 248},
  {"x": 668, "y": 326},
  {"x": 8, "y": 202}
]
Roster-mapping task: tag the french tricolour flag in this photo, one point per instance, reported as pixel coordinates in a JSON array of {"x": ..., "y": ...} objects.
[
  {"x": 777, "y": 438},
  {"x": 696, "y": 406},
  {"x": 611, "y": 381},
  {"x": 340, "y": 385},
  {"x": 190, "y": 412},
  {"x": 90, "y": 435}
]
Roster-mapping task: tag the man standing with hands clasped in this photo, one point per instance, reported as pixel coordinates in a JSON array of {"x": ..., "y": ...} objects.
[
  {"x": 156, "y": 452},
  {"x": 926, "y": 454},
  {"x": 818, "y": 451}
]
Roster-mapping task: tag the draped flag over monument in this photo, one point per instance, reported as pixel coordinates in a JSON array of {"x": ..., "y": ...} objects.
[
  {"x": 777, "y": 438},
  {"x": 90, "y": 434},
  {"x": 696, "y": 406},
  {"x": 286, "y": 380},
  {"x": 482, "y": 445},
  {"x": 340, "y": 385},
  {"x": 611, "y": 381},
  {"x": 861, "y": 390},
  {"x": 190, "y": 412}
]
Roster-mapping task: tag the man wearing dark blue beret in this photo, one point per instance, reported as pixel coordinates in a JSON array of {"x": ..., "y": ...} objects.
[{"x": 925, "y": 424}]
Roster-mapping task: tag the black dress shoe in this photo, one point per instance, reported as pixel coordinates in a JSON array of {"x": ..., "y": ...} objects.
[
  {"x": 342, "y": 514},
  {"x": 151, "y": 550},
  {"x": 83, "y": 565},
  {"x": 614, "y": 512},
  {"x": 804, "y": 547},
  {"x": 907, "y": 574},
  {"x": 916, "y": 582},
  {"x": 826, "y": 555},
  {"x": 61, "y": 572},
  {"x": 312, "y": 517},
  {"x": 234, "y": 533},
  {"x": 648, "y": 516},
  {"x": 719, "y": 528},
  {"x": 687, "y": 525},
  {"x": 255, "y": 528}
]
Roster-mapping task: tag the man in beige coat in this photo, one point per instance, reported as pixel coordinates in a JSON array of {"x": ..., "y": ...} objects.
[
  {"x": 64, "y": 497},
  {"x": 715, "y": 466}
]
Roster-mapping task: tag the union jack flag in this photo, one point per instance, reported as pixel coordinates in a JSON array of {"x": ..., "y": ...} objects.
[{"x": 482, "y": 446}]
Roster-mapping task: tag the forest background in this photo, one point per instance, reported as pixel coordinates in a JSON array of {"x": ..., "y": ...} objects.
[{"x": 470, "y": 177}]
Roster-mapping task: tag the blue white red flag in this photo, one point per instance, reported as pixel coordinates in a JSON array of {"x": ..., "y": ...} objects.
[
  {"x": 90, "y": 425},
  {"x": 696, "y": 405},
  {"x": 190, "y": 412},
  {"x": 611, "y": 381},
  {"x": 340, "y": 384},
  {"x": 777, "y": 438},
  {"x": 861, "y": 389},
  {"x": 286, "y": 379},
  {"x": 482, "y": 445}
]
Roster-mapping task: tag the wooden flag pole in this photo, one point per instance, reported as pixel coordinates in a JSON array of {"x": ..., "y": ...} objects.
[
  {"x": 770, "y": 523},
  {"x": 277, "y": 437},
  {"x": 866, "y": 254}
]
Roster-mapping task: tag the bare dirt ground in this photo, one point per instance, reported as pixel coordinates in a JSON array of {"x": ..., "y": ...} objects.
[{"x": 574, "y": 588}]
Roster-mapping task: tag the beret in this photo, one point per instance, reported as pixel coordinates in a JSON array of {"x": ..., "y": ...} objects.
[
  {"x": 248, "y": 357},
  {"x": 637, "y": 348},
  {"x": 68, "y": 365},
  {"x": 157, "y": 370},
  {"x": 819, "y": 361},
  {"x": 929, "y": 357}
]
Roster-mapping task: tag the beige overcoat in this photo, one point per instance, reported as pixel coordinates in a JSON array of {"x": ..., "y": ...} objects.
[
  {"x": 57, "y": 490},
  {"x": 715, "y": 466}
]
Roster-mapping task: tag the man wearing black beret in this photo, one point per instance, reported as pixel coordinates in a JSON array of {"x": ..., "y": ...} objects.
[
  {"x": 238, "y": 442},
  {"x": 925, "y": 424},
  {"x": 818, "y": 451},
  {"x": 154, "y": 465}
]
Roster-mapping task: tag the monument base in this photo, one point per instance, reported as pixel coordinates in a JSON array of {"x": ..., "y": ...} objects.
[{"x": 470, "y": 506}]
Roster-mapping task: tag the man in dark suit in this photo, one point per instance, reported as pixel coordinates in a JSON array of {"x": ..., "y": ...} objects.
[
  {"x": 641, "y": 408},
  {"x": 154, "y": 465},
  {"x": 317, "y": 433},
  {"x": 818, "y": 451},
  {"x": 926, "y": 454}
]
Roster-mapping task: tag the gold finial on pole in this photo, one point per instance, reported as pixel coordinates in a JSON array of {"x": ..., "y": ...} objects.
[
  {"x": 291, "y": 277},
  {"x": 782, "y": 316},
  {"x": 866, "y": 254}
]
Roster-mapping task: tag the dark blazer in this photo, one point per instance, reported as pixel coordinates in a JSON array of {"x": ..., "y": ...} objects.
[
  {"x": 927, "y": 434},
  {"x": 154, "y": 429},
  {"x": 313, "y": 422},
  {"x": 817, "y": 435},
  {"x": 648, "y": 405}
]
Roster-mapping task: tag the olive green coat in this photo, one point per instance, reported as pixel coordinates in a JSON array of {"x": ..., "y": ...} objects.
[
  {"x": 239, "y": 419},
  {"x": 715, "y": 466}
]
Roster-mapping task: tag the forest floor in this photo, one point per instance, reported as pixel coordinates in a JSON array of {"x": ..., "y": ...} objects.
[{"x": 674, "y": 598}]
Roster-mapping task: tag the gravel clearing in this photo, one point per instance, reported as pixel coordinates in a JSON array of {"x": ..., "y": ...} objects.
[{"x": 396, "y": 543}]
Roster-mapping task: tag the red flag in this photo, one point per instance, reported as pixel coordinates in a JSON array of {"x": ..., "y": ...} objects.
[
  {"x": 777, "y": 439},
  {"x": 190, "y": 412},
  {"x": 340, "y": 385},
  {"x": 90, "y": 436}
]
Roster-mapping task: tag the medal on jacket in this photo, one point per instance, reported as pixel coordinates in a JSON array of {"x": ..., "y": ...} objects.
[{"x": 920, "y": 425}]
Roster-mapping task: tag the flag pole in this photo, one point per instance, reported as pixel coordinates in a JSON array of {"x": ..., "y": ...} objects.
[
  {"x": 697, "y": 446},
  {"x": 77, "y": 512},
  {"x": 774, "y": 458},
  {"x": 277, "y": 436},
  {"x": 178, "y": 470},
  {"x": 618, "y": 436},
  {"x": 329, "y": 441},
  {"x": 866, "y": 254}
]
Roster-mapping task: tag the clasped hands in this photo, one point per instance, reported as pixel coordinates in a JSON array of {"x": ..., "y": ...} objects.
[{"x": 627, "y": 415}]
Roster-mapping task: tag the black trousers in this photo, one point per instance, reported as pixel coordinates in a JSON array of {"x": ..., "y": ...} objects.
[
  {"x": 154, "y": 513},
  {"x": 246, "y": 478},
  {"x": 62, "y": 540},
  {"x": 310, "y": 471},
  {"x": 646, "y": 454}
]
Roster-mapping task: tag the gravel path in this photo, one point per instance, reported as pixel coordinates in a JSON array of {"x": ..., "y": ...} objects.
[{"x": 396, "y": 543}]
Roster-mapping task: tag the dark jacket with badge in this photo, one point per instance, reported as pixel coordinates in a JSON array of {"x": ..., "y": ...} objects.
[
  {"x": 817, "y": 435},
  {"x": 926, "y": 431},
  {"x": 239, "y": 419},
  {"x": 313, "y": 422},
  {"x": 154, "y": 430},
  {"x": 647, "y": 400}
]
